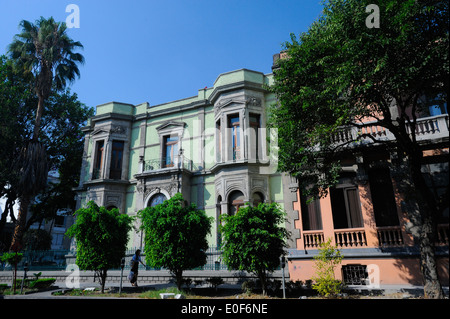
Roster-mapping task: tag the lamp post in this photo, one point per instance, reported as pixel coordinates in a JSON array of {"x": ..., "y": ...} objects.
[
  {"x": 283, "y": 264},
  {"x": 122, "y": 266},
  {"x": 25, "y": 269}
]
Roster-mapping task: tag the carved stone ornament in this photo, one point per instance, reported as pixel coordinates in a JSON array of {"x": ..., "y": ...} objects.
[
  {"x": 140, "y": 187},
  {"x": 253, "y": 101},
  {"x": 118, "y": 129}
]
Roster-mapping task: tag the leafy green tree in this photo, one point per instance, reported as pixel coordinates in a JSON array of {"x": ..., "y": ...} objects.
[
  {"x": 63, "y": 138},
  {"x": 60, "y": 133},
  {"x": 254, "y": 239},
  {"x": 328, "y": 258},
  {"x": 175, "y": 236},
  {"x": 340, "y": 73},
  {"x": 16, "y": 105},
  {"x": 101, "y": 237},
  {"x": 13, "y": 259},
  {"x": 45, "y": 53}
]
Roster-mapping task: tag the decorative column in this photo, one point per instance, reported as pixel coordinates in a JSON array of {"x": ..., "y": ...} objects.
[
  {"x": 327, "y": 219},
  {"x": 365, "y": 198}
]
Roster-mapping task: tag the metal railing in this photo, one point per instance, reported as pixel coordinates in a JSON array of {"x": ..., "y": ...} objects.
[
  {"x": 42, "y": 260},
  {"x": 179, "y": 161},
  {"x": 60, "y": 259}
]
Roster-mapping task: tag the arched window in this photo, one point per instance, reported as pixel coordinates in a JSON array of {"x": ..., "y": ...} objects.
[
  {"x": 156, "y": 199},
  {"x": 235, "y": 200},
  {"x": 257, "y": 198}
]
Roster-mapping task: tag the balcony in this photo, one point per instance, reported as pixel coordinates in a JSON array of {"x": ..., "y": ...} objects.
[
  {"x": 427, "y": 128},
  {"x": 313, "y": 238},
  {"x": 386, "y": 236},
  {"x": 350, "y": 238},
  {"x": 390, "y": 236},
  {"x": 179, "y": 162}
]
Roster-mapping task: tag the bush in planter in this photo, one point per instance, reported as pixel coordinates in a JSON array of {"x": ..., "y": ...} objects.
[{"x": 42, "y": 283}]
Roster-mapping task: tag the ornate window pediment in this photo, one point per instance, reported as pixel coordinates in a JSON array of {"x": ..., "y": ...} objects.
[
  {"x": 99, "y": 131},
  {"x": 171, "y": 125}
]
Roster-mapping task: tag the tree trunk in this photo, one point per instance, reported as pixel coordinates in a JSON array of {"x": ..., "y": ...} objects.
[
  {"x": 263, "y": 279},
  {"x": 428, "y": 265},
  {"x": 15, "y": 276},
  {"x": 16, "y": 244},
  {"x": 427, "y": 233},
  {"x": 422, "y": 211},
  {"x": 102, "y": 273},
  {"x": 39, "y": 112},
  {"x": 178, "y": 274}
]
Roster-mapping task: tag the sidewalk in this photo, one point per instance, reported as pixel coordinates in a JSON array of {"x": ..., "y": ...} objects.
[{"x": 158, "y": 279}]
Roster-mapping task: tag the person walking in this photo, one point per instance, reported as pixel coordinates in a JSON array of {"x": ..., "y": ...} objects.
[{"x": 135, "y": 267}]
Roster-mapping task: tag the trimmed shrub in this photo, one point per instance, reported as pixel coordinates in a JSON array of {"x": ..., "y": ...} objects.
[{"x": 42, "y": 283}]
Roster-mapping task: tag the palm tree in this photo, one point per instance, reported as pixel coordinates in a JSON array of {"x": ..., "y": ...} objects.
[{"x": 44, "y": 51}]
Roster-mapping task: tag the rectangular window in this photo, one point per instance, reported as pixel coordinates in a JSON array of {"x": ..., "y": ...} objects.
[
  {"x": 219, "y": 142},
  {"x": 355, "y": 274},
  {"x": 98, "y": 160},
  {"x": 254, "y": 129},
  {"x": 345, "y": 206},
  {"x": 116, "y": 160},
  {"x": 234, "y": 124},
  {"x": 383, "y": 199},
  {"x": 311, "y": 216},
  {"x": 170, "y": 150}
]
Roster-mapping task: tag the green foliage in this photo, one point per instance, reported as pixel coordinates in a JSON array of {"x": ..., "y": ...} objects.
[
  {"x": 42, "y": 283},
  {"x": 254, "y": 239},
  {"x": 45, "y": 50},
  {"x": 101, "y": 237},
  {"x": 36, "y": 283},
  {"x": 44, "y": 54},
  {"x": 325, "y": 262},
  {"x": 175, "y": 236},
  {"x": 12, "y": 258},
  {"x": 340, "y": 72},
  {"x": 61, "y": 136}
]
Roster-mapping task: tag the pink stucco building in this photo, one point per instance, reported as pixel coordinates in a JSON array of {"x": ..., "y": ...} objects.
[{"x": 365, "y": 216}]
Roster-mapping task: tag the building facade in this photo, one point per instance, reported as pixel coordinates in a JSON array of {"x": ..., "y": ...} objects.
[
  {"x": 365, "y": 215},
  {"x": 214, "y": 148}
]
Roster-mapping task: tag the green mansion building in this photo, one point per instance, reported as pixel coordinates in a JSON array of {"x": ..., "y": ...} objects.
[{"x": 213, "y": 147}]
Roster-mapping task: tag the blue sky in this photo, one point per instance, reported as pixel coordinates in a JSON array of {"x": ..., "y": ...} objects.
[{"x": 158, "y": 51}]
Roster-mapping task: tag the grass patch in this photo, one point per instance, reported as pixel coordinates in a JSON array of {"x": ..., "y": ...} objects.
[{"x": 154, "y": 294}]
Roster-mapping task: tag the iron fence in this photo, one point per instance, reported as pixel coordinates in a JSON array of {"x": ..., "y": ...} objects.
[{"x": 60, "y": 259}]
